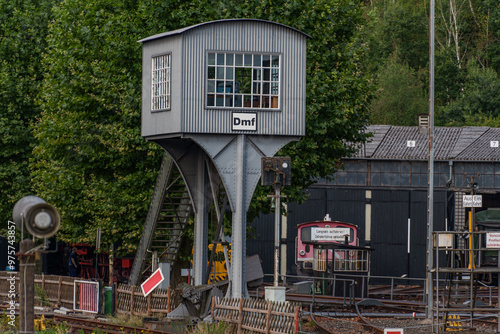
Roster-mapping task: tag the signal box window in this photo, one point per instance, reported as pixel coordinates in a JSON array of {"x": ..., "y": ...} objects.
[
  {"x": 160, "y": 82},
  {"x": 240, "y": 80}
]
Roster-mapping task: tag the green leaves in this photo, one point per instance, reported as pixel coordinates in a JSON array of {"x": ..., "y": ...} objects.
[{"x": 70, "y": 93}]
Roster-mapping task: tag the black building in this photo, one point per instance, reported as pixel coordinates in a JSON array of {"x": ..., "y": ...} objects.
[{"x": 383, "y": 190}]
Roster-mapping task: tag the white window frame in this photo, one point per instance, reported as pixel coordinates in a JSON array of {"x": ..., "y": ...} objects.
[
  {"x": 161, "y": 87},
  {"x": 223, "y": 89}
]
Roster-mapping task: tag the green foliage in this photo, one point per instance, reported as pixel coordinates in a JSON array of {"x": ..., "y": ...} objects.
[
  {"x": 492, "y": 47},
  {"x": 90, "y": 160},
  {"x": 480, "y": 99},
  {"x": 467, "y": 56},
  {"x": 216, "y": 328},
  {"x": 399, "y": 28},
  {"x": 23, "y": 26},
  {"x": 400, "y": 97},
  {"x": 41, "y": 297}
]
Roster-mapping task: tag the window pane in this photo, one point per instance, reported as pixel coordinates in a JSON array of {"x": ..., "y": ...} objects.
[
  {"x": 274, "y": 88},
  {"x": 265, "y": 102},
  {"x": 266, "y": 74},
  {"x": 220, "y": 59},
  {"x": 229, "y": 87},
  {"x": 220, "y": 86},
  {"x": 276, "y": 61},
  {"x": 229, "y": 59},
  {"x": 238, "y": 101},
  {"x": 247, "y": 101},
  {"x": 211, "y": 72},
  {"x": 211, "y": 59},
  {"x": 256, "y": 60},
  {"x": 275, "y": 75},
  {"x": 256, "y": 101},
  {"x": 256, "y": 88},
  {"x": 243, "y": 78},
  {"x": 219, "y": 100},
  {"x": 265, "y": 88},
  {"x": 274, "y": 102},
  {"x": 266, "y": 61},
  {"x": 211, "y": 86},
  {"x": 256, "y": 74},
  {"x": 210, "y": 100},
  {"x": 229, "y": 100},
  {"x": 229, "y": 72},
  {"x": 220, "y": 72},
  {"x": 238, "y": 61},
  {"x": 248, "y": 60}
]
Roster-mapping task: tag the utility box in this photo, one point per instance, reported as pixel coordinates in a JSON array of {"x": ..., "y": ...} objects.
[{"x": 240, "y": 76}]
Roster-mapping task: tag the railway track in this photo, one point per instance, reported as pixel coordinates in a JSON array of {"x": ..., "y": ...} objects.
[{"x": 78, "y": 325}]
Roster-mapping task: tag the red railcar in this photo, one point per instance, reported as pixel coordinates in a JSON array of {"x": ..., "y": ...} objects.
[{"x": 325, "y": 231}]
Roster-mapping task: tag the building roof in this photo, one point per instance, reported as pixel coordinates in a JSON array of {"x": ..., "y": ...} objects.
[
  {"x": 450, "y": 143},
  {"x": 182, "y": 30}
]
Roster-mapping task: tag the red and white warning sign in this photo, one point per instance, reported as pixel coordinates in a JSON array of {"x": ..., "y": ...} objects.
[
  {"x": 393, "y": 331},
  {"x": 152, "y": 282},
  {"x": 493, "y": 240}
]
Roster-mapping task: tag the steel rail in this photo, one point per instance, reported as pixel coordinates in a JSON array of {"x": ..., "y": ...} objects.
[{"x": 366, "y": 322}]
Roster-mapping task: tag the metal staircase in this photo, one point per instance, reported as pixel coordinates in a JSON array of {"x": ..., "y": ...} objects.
[{"x": 166, "y": 221}]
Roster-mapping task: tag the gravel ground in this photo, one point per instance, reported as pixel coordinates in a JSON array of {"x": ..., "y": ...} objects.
[{"x": 410, "y": 326}]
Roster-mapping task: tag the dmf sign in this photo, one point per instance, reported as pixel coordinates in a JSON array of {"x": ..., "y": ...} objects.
[{"x": 244, "y": 121}]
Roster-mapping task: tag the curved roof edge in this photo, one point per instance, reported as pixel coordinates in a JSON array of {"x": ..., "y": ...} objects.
[{"x": 182, "y": 30}]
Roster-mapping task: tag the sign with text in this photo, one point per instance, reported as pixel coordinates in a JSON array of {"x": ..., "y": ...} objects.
[
  {"x": 329, "y": 233},
  {"x": 244, "y": 121},
  {"x": 393, "y": 331},
  {"x": 152, "y": 282},
  {"x": 473, "y": 201},
  {"x": 493, "y": 240}
]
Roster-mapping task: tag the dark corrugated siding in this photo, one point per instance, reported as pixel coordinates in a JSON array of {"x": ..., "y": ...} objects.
[{"x": 390, "y": 212}]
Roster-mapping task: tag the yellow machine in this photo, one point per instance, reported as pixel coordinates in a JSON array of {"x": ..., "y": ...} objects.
[{"x": 219, "y": 270}]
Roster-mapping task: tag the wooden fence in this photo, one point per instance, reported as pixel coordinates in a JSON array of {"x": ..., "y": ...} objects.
[
  {"x": 257, "y": 315},
  {"x": 58, "y": 290},
  {"x": 130, "y": 300}
]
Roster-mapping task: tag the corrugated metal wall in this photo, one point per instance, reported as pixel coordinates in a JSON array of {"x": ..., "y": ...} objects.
[{"x": 252, "y": 37}]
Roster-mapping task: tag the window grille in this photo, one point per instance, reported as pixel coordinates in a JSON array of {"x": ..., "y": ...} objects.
[
  {"x": 243, "y": 81},
  {"x": 351, "y": 260},
  {"x": 319, "y": 259},
  {"x": 160, "y": 85}
]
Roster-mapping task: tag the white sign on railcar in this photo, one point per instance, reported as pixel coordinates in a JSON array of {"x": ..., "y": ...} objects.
[
  {"x": 473, "y": 201},
  {"x": 329, "y": 233},
  {"x": 493, "y": 240}
]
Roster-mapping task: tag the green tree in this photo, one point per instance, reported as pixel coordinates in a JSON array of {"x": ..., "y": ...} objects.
[
  {"x": 23, "y": 27},
  {"x": 491, "y": 9},
  {"x": 399, "y": 27},
  {"x": 479, "y": 100},
  {"x": 90, "y": 159},
  {"x": 400, "y": 97}
]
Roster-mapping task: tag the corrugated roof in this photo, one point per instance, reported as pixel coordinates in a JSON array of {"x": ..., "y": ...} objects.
[
  {"x": 450, "y": 143},
  {"x": 182, "y": 30}
]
